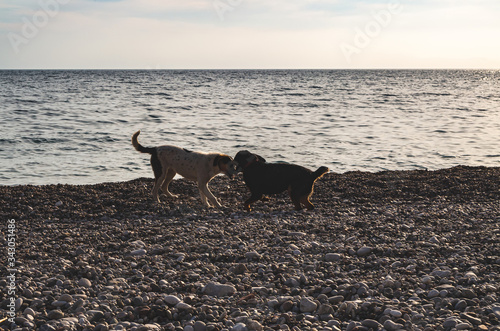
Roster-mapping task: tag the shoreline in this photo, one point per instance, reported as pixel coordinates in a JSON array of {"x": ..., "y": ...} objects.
[{"x": 413, "y": 250}]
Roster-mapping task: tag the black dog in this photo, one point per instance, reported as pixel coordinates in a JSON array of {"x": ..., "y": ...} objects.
[{"x": 271, "y": 178}]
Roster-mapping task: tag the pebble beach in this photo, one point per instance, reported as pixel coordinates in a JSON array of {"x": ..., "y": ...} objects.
[{"x": 393, "y": 250}]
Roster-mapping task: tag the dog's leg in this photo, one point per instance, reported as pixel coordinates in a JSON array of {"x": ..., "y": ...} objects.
[
  {"x": 170, "y": 175},
  {"x": 158, "y": 184},
  {"x": 203, "y": 197},
  {"x": 253, "y": 198},
  {"x": 305, "y": 201},
  {"x": 295, "y": 198},
  {"x": 205, "y": 193}
]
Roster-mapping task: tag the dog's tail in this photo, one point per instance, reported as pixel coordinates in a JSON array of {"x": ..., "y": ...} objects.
[
  {"x": 139, "y": 147},
  {"x": 320, "y": 172}
]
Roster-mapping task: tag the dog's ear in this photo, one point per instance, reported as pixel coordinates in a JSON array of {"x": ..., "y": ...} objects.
[
  {"x": 221, "y": 158},
  {"x": 260, "y": 158}
]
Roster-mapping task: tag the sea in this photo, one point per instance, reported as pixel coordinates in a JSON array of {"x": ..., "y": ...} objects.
[{"x": 74, "y": 126}]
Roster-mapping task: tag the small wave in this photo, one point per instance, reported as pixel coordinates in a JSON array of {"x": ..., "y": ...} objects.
[
  {"x": 36, "y": 101},
  {"x": 40, "y": 140}
]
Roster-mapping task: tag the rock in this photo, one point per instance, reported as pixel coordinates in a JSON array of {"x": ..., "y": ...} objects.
[
  {"x": 254, "y": 325},
  {"x": 240, "y": 269},
  {"x": 253, "y": 255},
  {"x": 307, "y": 305},
  {"x": 433, "y": 294},
  {"x": 395, "y": 313},
  {"x": 287, "y": 306},
  {"x": 18, "y": 303},
  {"x": 461, "y": 305},
  {"x": 184, "y": 306},
  {"x": 325, "y": 309},
  {"x": 29, "y": 311},
  {"x": 470, "y": 318},
  {"x": 66, "y": 297},
  {"x": 333, "y": 257},
  {"x": 364, "y": 251},
  {"x": 450, "y": 322},
  {"x": 219, "y": 290},
  {"x": 138, "y": 252},
  {"x": 369, "y": 323},
  {"x": 463, "y": 326},
  {"x": 199, "y": 326},
  {"x": 84, "y": 282},
  {"x": 336, "y": 299},
  {"x": 239, "y": 327},
  {"x": 137, "y": 301},
  {"x": 55, "y": 314},
  {"x": 392, "y": 326},
  {"x": 171, "y": 300}
]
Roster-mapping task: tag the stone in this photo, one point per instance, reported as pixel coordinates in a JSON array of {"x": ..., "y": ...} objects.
[
  {"x": 433, "y": 294},
  {"x": 66, "y": 297},
  {"x": 253, "y": 255},
  {"x": 325, "y": 309},
  {"x": 463, "y": 326},
  {"x": 307, "y": 305},
  {"x": 450, "y": 322},
  {"x": 184, "y": 306},
  {"x": 84, "y": 282},
  {"x": 287, "y": 306},
  {"x": 333, "y": 257},
  {"x": 138, "y": 252},
  {"x": 369, "y": 323},
  {"x": 470, "y": 318},
  {"x": 239, "y": 327},
  {"x": 254, "y": 325},
  {"x": 219, "y": 290},
  {"x": 199, "y": 326},
  {"x": 364, "y": 251},
  {"x": 461, "y": 305},
  {"x": 171, "y": 300},
  {"x": 55, "y": 314},
  {"x": 392, "y": 326},
  {"x": 336, "y": 299}
]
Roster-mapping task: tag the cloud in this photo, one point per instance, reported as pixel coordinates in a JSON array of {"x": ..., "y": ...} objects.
[{"x": 249, "y": 34}]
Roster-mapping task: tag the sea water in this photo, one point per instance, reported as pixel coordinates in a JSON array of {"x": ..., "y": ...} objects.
[{"x": 75, "y": 126}]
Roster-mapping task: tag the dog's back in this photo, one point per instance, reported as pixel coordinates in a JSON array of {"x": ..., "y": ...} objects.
[{"x": 272, "y": 178}]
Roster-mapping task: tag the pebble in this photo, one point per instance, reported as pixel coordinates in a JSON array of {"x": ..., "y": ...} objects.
[
  {"x": 253, "y": 255},
  {"x": 66, "y": 297},
  {"x": 369, "y": 323},
  {"x": 219, "y": 290},
  {"x": 84, "y": 282},
  {"x": 55, "y": 314},
  {"x": 333, "y": 257},
  {"x": 378, "y": 252},
  {"x": 171, "y": 300},
  {"x": 307, "y": 305},
  {"x": 392, "y": 326},
  {"x": 138, "y": 252},
  {"x": 364, "y": 251}
]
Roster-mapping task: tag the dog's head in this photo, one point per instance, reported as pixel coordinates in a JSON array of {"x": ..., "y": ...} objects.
[
  {"x": 245, "y": 158},
  {"x": 226, "y": 164}
]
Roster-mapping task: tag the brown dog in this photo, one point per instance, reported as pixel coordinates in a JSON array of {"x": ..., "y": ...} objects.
[{"x": 271, "y": 178}]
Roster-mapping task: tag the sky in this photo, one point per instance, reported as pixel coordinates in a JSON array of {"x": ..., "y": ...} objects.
[{"x": 249, "y": 34}]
